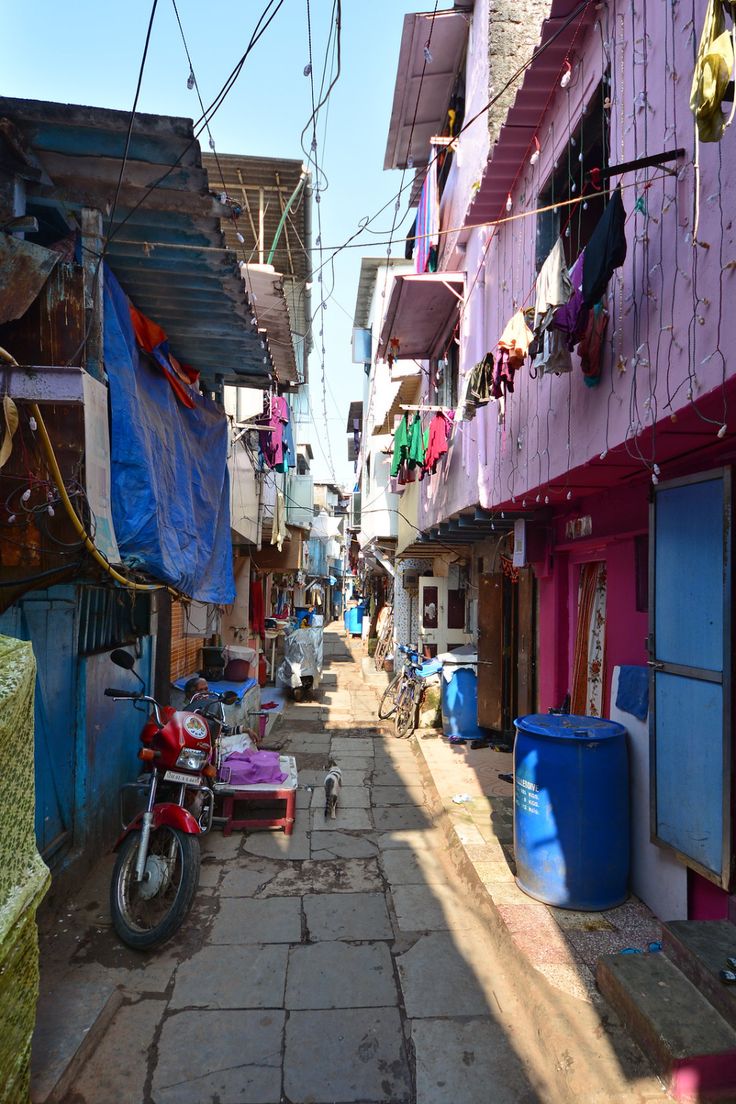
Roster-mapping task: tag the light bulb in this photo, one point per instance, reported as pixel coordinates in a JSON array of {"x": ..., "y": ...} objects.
[
  {"x": 546, "y": 500},
  {"x": 538, "y": 498},
  {"x": 535, "y": 153},
  {"x": 212, "y": 143},
  {"x": 51, "y": 510},
  {"x": 427, "y": 55},
  {"x": 523, "y": 502},
  {"x": 307, "y": 70},
  {"x": 32, "y": 423},
  {"x": 566, "y": 76},
  {"x": 190, "y": 80},
  {"x": 26, "y": 495},
  {"x": 509, "y": 202},
  {"x": 655, "y": 479},
  {"x": 410, "y": 162},
  {"x": 240, "y": 237},
  {"x": 604, "y": 454},
  {"x": 655, "y": 469},
  {"x": 569, "y": 495},
  {"x": 11, "y": 519},
  {"x": 722, "y": 430}
]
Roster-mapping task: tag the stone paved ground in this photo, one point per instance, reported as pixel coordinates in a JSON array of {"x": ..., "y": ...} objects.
[{"x": 345, "y": 963}]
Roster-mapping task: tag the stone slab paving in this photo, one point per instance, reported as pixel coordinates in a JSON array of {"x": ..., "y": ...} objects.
[{"x": 342, "y": 964}]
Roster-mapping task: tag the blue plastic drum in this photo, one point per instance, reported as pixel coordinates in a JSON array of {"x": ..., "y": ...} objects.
[
  {"x": 571, "y": 811},
  {"x": 459, "y": 696},
  {"x": 354, "y": 620}
]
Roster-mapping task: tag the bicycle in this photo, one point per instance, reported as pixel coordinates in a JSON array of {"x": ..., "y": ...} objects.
[{"x": 404, "y": 693}]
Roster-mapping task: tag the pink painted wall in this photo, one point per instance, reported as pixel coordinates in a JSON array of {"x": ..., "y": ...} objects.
[
  {"x": 617, "y": 517},
  {"x": 665, "y": 302}
]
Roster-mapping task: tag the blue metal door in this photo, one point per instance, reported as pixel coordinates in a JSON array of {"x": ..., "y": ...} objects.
[
  {"x": 48, "y": 620},
  {"x": 690, "y": 692}
]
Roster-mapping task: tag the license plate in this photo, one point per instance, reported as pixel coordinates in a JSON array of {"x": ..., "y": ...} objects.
[{"x": 178, "y": 776}]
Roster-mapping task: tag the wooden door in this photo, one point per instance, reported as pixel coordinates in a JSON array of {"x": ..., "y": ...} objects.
[{"x": 490, "y": 652}]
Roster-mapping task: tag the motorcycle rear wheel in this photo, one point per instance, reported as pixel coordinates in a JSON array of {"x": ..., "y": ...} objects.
[{"x": 146, "y": 914}]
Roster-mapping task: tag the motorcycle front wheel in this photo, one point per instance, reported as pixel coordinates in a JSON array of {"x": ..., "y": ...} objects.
[{"x": 147, "y": 913}]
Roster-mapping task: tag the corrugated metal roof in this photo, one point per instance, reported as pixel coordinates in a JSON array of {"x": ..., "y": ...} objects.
[
  {"x": 525, "y": 116},
  {"x": 369, "y": 267},
  {"x": 169, "y": 254},
  {"x": 422, "y": 91},
  {"x": 267, "y": 184}
]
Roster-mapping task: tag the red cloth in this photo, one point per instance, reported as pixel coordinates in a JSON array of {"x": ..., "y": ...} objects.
[
  {"x": 257, "y": 610},
  {"x": 153, "y": 340},
  {"x": 440, "y": 429}
]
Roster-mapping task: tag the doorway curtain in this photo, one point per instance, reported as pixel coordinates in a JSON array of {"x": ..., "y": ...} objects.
[{"x": 590, "y": 641}]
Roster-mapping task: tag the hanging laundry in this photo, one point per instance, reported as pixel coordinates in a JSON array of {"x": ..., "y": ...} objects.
[
  {"x": 590, "y": 348},
  {"x": 278, "y": 527},
  {"x": 515, "y": 340},
  {"x": 573, "y": 317},
  {"x": 289, "y": 454},
  {"x": 713, "y": 69},
  {"x": 503, "y": 374},
  {"x": 256, "y": 607},
  {"x": 271, "y": 437},
  {"x": 416, "y": 443},
  {"x": 428, "y": 221},
  {"x": 440, "y": 431},
  {"x": 477, "y": 389},
  {"x": 606, "y": 250},
  {"x": 553, "y": 287},
  {"x": 401, "y": 446},
  {"x": 553, "y": 355}
]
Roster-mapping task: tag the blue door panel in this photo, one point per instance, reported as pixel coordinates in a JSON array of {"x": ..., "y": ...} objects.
[
  {"x": 689, "y": 575},
  {"x": 690, "y": 717},
  {"x": 48, "y": 620},
  {"x": 689, "y": 767}
]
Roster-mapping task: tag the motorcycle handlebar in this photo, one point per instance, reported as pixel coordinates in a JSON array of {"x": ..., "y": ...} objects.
[{"x": 112, "y": 693}]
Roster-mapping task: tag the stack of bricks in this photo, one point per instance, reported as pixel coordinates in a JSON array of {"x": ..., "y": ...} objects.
[{"x": 186, "y": 651}]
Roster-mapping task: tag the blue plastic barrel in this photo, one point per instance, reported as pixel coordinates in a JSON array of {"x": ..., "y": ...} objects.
[
  {"x": 459, "y": 697},
  {"x": 571, "y": 811},
  {"x": 354, "y": 620}
]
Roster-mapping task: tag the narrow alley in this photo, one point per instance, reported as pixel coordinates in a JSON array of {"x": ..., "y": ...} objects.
[{"x": 346, "y": 962}]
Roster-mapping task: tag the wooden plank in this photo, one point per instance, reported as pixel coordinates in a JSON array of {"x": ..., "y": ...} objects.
[
  {"x": 525, "y": 644},
  {"x": 490, "y": 652}
]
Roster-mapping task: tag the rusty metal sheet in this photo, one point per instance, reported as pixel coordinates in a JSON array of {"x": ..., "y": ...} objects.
[{"x": 24, "y": 269}]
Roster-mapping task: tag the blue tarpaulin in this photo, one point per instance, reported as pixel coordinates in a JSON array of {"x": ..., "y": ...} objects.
[{"x": 170, "y": 486}]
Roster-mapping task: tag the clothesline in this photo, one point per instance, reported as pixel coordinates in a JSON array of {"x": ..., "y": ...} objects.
[{"x": 422, "y": 408}]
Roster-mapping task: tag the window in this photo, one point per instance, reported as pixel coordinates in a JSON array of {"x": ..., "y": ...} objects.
[
  {"x": 587, "y": 149},
  {"x": 446, "y": 374}
]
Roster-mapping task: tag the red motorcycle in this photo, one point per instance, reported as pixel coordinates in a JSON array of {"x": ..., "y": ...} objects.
[{"x": 157, "y": 868}]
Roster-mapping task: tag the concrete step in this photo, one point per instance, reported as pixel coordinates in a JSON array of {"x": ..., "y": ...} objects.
[
  {"x": 688, "y": 1042},
  {"x": 71, "y": 1019},
  {"x": 699, "y": 948}
]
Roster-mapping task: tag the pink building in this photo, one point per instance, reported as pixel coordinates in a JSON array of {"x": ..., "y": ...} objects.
[{"x": 613, "y": 469}]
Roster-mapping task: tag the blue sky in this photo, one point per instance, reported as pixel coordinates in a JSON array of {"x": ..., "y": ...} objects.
[{"x": 89, "y": 52}]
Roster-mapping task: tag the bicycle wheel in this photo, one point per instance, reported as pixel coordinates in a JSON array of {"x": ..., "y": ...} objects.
[
  {"x": 406, "y": 708},
  {"x": 387, "y": 704}
]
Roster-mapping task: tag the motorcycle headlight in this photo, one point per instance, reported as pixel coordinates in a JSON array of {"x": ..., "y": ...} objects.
[{"x": 192, "y": 759}]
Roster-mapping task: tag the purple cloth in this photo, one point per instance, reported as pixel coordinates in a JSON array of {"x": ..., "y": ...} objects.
[
  {"x": 271, "y": 437},
  {"x": 573, "y": 317},
  {"x": 247, "y": 768}
]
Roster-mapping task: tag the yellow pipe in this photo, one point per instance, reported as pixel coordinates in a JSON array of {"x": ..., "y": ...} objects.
[{"x": 87, "y": 541}]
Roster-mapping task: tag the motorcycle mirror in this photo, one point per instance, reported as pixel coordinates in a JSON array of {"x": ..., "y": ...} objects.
[
  {"x": 229, "y": 697},
  {"x": 123, "y": 659}
]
